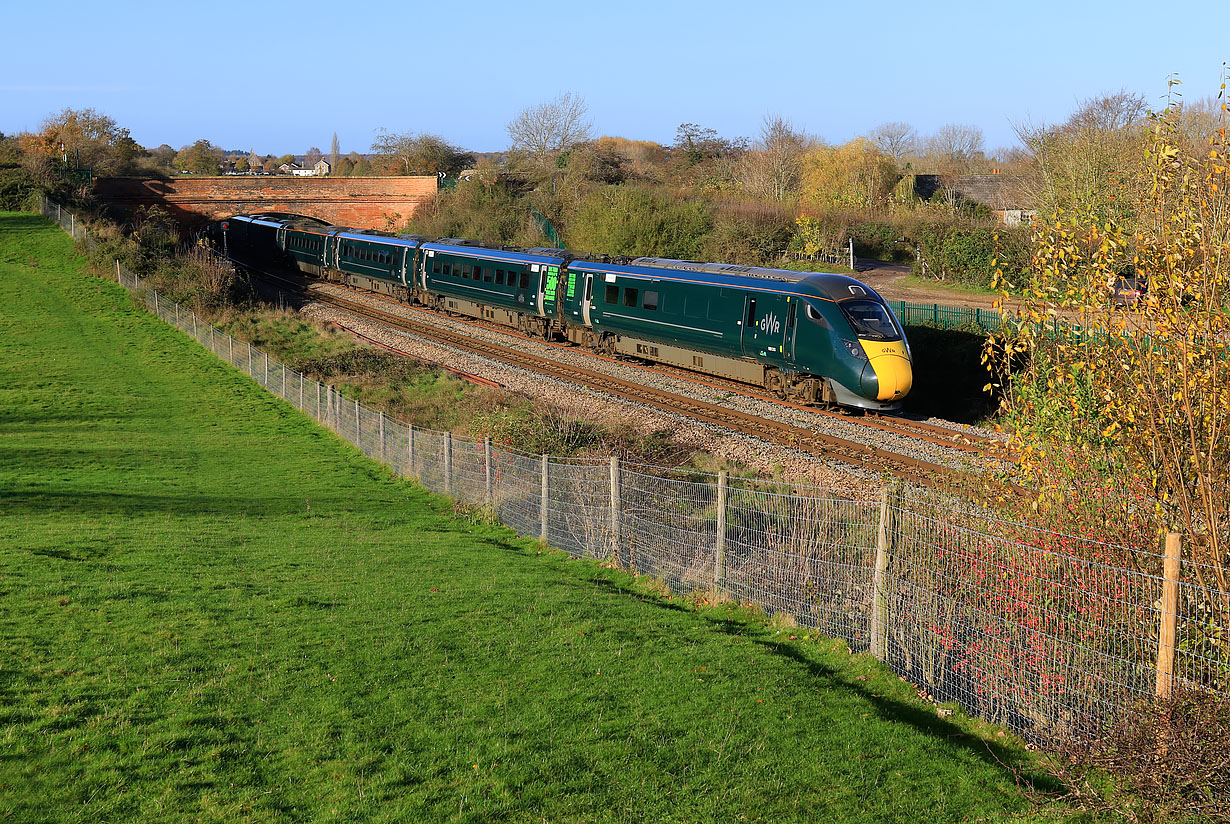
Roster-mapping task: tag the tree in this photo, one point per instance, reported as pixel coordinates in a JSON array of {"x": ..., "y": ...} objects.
[
  {"x": 953, "y": 149},
  {"x": 335, "y": 152},
  {"x": 419, "y": 154},
  {"x": 312, "y": 157},
  {"x": 897, "y": 140},
  {"x": 1141, "y": 397},
  {"x": 1079, "y": 161},
  {"x": 201, "y": 158},
  {"x": 242, "y": 165},
  {"x": 87, "y": 137},
  {"x": 771, "y": 170},
  {"x": 855, "y": 174},
  {"x": 545, "y": 131}
]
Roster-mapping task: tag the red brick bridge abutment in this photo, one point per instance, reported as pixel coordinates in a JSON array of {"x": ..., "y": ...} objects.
[{"x": 384, "y": 203}]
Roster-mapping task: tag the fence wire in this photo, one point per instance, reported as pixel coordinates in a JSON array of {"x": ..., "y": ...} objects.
[{"x": 1048, "y": 634}]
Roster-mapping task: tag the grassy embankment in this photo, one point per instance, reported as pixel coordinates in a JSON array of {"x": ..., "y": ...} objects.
[{"x": 210, "y": 609}]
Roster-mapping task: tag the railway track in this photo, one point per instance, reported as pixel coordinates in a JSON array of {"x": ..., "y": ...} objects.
[{"x": 852, "y": 453}]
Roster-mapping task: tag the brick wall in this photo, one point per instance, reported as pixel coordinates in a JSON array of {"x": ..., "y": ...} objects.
[{"x": 357, "y": 202}]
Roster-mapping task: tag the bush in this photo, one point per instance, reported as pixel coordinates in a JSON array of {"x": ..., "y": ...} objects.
[
  {"x": 969, "y": 254},
  {"x": 16, "y": 187},
  {"x": 635, "y": 221},
  {"x": 479, "y": 211},
  {"x": 752, "y": 234}
]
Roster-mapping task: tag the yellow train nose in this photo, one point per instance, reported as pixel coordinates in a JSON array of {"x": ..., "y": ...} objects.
[{"x": 891, "y": 363}]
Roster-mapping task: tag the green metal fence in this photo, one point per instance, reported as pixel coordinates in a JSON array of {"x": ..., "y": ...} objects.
[{"x": 945, "y": 317}]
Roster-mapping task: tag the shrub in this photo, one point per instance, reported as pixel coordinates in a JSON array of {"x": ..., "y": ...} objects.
[
  {"x": 634, "y": 220},
  {"x": 749, "y": 233}
]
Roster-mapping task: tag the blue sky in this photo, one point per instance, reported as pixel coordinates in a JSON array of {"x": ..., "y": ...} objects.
[{"x": 283, "y": 77}]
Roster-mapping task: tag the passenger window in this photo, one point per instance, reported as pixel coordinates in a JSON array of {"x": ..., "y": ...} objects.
[
  {"x": 435, "y": 266},
  {"x": 651, "y": 300},
  {"x": 525, "y": 280},
  {"x": 486, "y": 274},
  {"x": 446, "y": 268},
  {"x": 465, "y": 270},
  {"x": 612, "y": 293},
  {"x": 499, "y": 276},
  {"x": 630, "y": 296},
  {"x": 478, "y": 273}
]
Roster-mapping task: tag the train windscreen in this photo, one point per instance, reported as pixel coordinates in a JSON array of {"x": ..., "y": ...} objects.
[{"x": 871, "y": 320}]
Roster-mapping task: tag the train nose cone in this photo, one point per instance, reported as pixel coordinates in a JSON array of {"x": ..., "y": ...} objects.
[{"x": 888, "y": 375}]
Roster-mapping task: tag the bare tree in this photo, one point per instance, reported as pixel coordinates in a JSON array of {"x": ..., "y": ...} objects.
[
  {"x": 954, "y": 147},
  {"x": 896, "y": 139},
  {"x": 312, "y": 157},
  {"x": 546, "y": 130},
  {"x": 420, "y": 154},
  {"x": 773, "y": 167}
]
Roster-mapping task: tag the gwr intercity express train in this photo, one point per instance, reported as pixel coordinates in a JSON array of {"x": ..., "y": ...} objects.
[{"x": 813, "y": 338}]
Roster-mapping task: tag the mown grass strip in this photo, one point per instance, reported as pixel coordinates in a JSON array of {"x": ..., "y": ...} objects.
[{"x": 210, "y": 609}]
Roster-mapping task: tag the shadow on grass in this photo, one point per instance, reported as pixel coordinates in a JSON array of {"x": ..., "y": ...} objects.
[{"x": 923, "y": 719}]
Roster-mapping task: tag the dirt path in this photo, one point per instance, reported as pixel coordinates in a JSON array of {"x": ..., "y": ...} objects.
[{"x": 889, "y": 279}]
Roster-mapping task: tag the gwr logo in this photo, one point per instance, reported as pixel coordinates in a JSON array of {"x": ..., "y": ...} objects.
[{"x": 770, "y": 324}]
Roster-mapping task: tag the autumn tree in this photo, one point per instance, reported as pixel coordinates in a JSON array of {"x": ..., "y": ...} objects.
[
  {"x": 701, "y": 157},
  {"x": 419, "y": 154},
  {"x": 201, "y": 158},
  {"x": 87, "y": 137},
  {"x": 856, "y": 174},
  {"x": 312, "y": 157},
  {"x": 335, "y": 152},
  {"x": 1139, "y": 399},
  {"x": 1081, "y": 161},
  {"x": 545, "y": 131}
]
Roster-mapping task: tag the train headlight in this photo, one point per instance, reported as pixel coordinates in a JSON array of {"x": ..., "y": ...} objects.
[{"x": 855, "y": 349}]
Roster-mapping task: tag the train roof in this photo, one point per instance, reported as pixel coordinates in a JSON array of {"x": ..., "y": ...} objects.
[
  {"x": 489, "y": 253},
  {"x": 818, "y": 284}
]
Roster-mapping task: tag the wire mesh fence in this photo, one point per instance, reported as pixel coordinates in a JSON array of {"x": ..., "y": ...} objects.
[{"x": 1049, "y": 634}]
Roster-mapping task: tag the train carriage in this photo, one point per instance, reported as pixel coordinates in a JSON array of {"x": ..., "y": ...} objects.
[{"x": 514, "y": 288}]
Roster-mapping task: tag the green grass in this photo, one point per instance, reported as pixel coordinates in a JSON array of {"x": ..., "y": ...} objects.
[
  {"x": 957, "y": 289},
  {"x": 211, "y": 610}
]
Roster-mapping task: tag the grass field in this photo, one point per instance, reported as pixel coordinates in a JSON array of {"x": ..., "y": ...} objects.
[{"x": 211, "y": 610}]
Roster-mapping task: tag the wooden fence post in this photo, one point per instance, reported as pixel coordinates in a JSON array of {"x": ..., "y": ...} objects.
[
  {"x": 266, "y": 383},
  {"x": 1168, "y": 618},
  {"x": 719, "y": 548},
  {"x": 542, "y": 509},
  {"x": 879, "y": 606},
  {"x": 358, "y": 431},
  {"x": 616, "y": 506}
]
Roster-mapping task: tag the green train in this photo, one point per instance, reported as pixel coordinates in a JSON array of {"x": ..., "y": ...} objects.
[{"x": 807, "y": 337}]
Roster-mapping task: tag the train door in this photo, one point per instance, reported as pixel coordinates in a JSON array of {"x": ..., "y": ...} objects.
[
  {"x": 792, "y": 329},
  {"x": 587, "y": 298},
  {"x": 765, "y": 331}
]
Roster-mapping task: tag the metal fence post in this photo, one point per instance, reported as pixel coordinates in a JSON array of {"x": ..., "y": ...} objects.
[
  {"x": 448, "y": 463},
  {"x": 879, "y": 607},
  {"x": 1168, "y": 617},
  {"x": 719, "y": 548},
  {"x": 266, "y": 383},
  {"x": 490, "y": 496},
  {"x": 118, "y": 279},
  {"x": 542, "y": 532},
  {"x": 410, "y": 452},
  {"x": 156, "y": 302},
  {"x": 615, "y": 510},
  {"x": 230, "y": 350},
  {"x": 358, "y": 428},
  {"x": 380, "y": 430}
]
